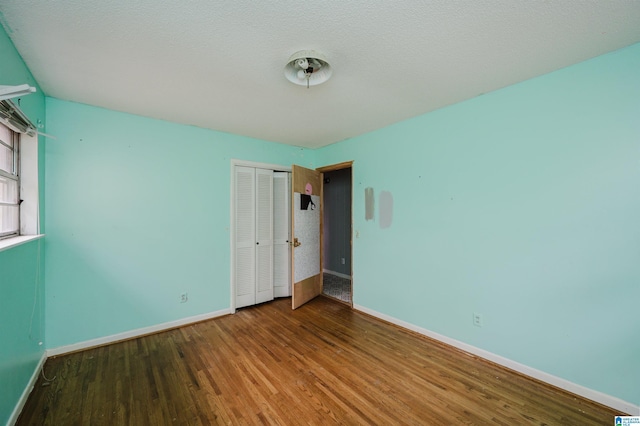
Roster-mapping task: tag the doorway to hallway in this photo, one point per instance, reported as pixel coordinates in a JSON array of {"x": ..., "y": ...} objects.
[{"x": 337, "y": 224}]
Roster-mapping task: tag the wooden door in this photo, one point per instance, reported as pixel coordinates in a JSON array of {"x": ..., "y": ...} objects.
[{"x": 306, "y": 196}]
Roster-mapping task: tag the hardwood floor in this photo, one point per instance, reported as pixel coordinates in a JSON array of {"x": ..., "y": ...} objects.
[{"x": 321, "y": 364}]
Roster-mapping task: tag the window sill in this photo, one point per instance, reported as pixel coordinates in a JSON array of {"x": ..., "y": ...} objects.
[{"x": 8, "y": 243}]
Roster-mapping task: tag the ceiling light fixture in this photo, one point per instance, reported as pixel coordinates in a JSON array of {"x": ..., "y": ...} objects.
[
  {"x": 8, "y": 92},
  {"x": 307, "y": 68}
]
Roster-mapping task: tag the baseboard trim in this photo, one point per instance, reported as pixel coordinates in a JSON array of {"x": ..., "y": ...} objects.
[
  {"x": 337, "y": 274},
  {"x": 608, "y": 400},
  {"x": 13, "y": 418},
  {"x": 101, "y": 341}
]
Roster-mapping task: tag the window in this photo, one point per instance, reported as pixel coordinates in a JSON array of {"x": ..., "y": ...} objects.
[
  {"x": 9, "y": 182},
  {"x": 19, "y": 195}
]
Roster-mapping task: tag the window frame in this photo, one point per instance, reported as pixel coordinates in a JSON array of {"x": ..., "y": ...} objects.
[{"x": 15, "y": 176}]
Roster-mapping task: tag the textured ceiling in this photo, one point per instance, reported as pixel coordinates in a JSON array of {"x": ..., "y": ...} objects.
[{"x": 219, "y": 64}]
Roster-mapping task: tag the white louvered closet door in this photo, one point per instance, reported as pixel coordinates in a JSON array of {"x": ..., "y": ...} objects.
[
  {"x": 281, "y": 233},
  {"x": 264, "y": 235},
  {"x": 245, "y": 238}
]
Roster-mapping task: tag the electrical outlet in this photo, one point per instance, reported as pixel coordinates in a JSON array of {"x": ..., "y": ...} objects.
[
  {"x": 477, "y": 319},
  {"x": 342, "y": 260},
  {"x": 184, "y": 297}
]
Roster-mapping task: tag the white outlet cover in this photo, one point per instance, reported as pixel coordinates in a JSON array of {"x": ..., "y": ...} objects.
[{"x": 477, "y": 320}]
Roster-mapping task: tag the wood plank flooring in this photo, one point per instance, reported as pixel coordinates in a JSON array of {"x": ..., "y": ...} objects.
[{"x": 321, "y": 364}]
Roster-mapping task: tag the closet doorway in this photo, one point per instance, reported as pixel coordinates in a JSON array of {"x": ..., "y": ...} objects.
[
  {"x": 337, "y": 232},
  {"x": 259, "y": 233}
]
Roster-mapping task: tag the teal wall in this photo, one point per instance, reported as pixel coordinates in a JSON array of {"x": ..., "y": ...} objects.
[
  {"x": 137, "y": 213},
  {"x": 21, "y": 321},
  {"x": 522, "y": 205},
  {"x": 21, "y": 283}
]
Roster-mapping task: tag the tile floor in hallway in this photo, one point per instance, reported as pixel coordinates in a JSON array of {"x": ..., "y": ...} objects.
[{"x": 337, "y": 287}]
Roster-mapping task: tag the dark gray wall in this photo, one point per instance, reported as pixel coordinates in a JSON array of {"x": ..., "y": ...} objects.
[{"x": 337, "y": 221}]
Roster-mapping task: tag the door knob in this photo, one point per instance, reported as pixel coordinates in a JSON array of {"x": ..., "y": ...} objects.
[{"x": 296, "y": 243}]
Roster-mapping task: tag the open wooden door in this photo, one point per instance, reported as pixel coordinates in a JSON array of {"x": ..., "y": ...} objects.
[{"x": 306, "y": 253}]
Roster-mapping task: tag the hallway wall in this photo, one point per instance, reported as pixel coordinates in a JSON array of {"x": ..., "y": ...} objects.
[{"x": 337, "y": 221}]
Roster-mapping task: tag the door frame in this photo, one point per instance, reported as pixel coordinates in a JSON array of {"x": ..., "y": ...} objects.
[
  {"x": 323, "y": 170},
  {"x": 232, "y": 220}
]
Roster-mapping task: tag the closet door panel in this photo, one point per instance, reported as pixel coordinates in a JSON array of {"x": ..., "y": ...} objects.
[
  {"x": 245, "y": 277},
  {"x": 245, "y": 245},
  {"x": 281, "y": 233},
  {"x": 264, "y": 235}
]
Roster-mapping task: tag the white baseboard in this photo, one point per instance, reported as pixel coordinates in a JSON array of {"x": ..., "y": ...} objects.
[
  {"x": 101, "y": 341},
  {"x": 337, "y": 274},
  {"x": 608, "y": 400},
  {"x": 13, "y": 418}
]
